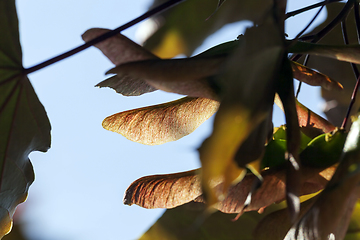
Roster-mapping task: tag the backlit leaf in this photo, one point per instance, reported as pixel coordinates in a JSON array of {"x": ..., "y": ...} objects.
[
  {"x": 173, "y": 34},
  {"x": 172, "y": 190},
  {"x": 164, "y": 191},
  {"x": 23, "y": 120},
  {"x": 271, "y": 191},
  {"x": 119, "y": 49},
  {"x": 314, "y": 78},
  {"x": 248, "y": 88},
  {"x": 162, "y": 123}
]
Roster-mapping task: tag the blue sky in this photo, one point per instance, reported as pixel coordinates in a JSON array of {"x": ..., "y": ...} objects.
[{"x": 77, "y": 194}]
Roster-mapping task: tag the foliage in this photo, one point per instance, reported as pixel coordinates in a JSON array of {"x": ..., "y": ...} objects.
[{"x": 247, "y": 165}]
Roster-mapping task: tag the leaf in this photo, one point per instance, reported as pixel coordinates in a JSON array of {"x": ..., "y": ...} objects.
[
  {"x": 119, "y": 49},
  {"x": 336, "y": 101},
  {"x": 311, "y": 123},
  {"x": 324, "y": 150},
  {"x": 162, "y": 123},
  {"x": 172, "y": 190},
  {"x": 183, "y": 76},
  {"x": 248, "y": 88},
  {"x": 23, "y": 120},
  {"x": 329, "y": 216},
  {"x": 181, "y": 223},
  {"x": 173, "y": 34},
  {"x": 271, "y": 191},
  {"x": 253, "y": 148},
  {"x": 314, "y": 78},
  {"x": 164, "y": 191}
]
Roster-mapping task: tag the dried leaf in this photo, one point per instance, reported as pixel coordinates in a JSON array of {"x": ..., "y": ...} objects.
[
  {"x": 23, "y": 120},
  {"x": 183, "y": 76},
  {"x": 119, "y": 49},
  {"x": 164, "y": 191},
  {"x": 248, "y": 88},
  {"x": 314, "y": 78},
  {"x": 329, "y": 216},
  {"x": 162, "y": 123},
  {"x": 311, "y": 123},
  {"x": 172, "y": 34},
  {"x": 271, "y": 191},
  {"x": 336, "y": 101}
]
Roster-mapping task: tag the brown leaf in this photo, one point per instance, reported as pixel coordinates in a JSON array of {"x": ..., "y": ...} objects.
[
  {"x": 171, "y": 190},
  {"x": 183, "y": 76},
  {"x": 162, "y": 123},
  {"x": 336, "y": 101},
  {"x": 164, "y": 191},
  {"x": 119, "y": 49},
  {"x": 271, "y": 191},
  {"x": 314, "y": 78},
  {"x": 311, "y": 123}
]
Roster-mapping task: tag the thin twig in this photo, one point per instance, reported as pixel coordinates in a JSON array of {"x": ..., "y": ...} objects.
[
  {"x": 353, "y": 66},
  {"x": 304, "y": 9},
  {"x": 300, "y": 83},
  {"x": 311, "y": 22},
  {"x": 317, "y": 37},
  {"x": 103, "y": 37}
]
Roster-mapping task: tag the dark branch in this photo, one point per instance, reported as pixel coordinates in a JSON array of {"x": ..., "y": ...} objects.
[{"x": 103, "y": 37}]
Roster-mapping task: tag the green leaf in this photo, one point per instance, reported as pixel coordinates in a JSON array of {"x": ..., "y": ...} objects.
[
  {"x": 162, "y": 123},
  {"x": 23, "y": 120},
  {"x": 174, "y": 34},
  {"x": 324, "y": 150}
]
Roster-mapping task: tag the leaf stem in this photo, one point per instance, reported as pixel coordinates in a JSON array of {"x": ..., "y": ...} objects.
[
  {"x": 103, "y": 37},
  {"x": 304, "y": 9},
  {"x": 353, "y": 66}
]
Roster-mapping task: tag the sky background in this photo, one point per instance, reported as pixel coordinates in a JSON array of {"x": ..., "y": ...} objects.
[{"x": 80, "y": 181}]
